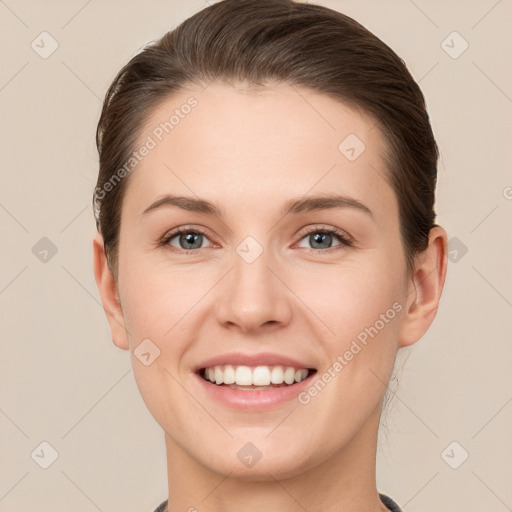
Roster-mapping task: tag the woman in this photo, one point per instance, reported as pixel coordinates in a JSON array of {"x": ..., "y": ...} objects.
[{"x": 266, "y": 243}]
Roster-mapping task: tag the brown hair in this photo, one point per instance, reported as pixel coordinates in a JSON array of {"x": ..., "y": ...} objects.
[{"x": 257, "y": 42}]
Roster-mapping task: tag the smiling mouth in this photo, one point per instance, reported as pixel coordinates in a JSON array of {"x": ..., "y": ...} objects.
[{"x": 247, "y": 378}]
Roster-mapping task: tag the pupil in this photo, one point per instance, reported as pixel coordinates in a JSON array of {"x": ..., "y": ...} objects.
[{"x": 321, "y": 238}]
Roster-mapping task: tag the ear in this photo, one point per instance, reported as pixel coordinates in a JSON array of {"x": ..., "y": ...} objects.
[
  {"x": 425, "y": 288},
  {"x": 109, "y": 295}
]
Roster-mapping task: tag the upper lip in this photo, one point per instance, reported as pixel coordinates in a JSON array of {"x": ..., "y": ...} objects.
[{"x": 261, "y": 359}]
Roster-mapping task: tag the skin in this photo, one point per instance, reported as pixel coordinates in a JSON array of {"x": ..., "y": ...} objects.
[{"x": 249, "y": 153}]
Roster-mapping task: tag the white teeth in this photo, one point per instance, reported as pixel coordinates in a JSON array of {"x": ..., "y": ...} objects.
[
  {"x": 261, "y": 376},
  {"x": 289, "y": 375},
  {"x": 276, "y": 375},
  {"x": 257, "y": 376},
  {"x": 243, "y": 375},
  {"x": 229, "y": 374}
]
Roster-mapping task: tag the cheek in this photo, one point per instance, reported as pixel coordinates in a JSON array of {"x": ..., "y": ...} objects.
[
  {"x": 349, "y": 298},
  {"x": 362, "y": 308},
  {"x": 158, "y": 305},
  {"x": 157, "y": 295}
]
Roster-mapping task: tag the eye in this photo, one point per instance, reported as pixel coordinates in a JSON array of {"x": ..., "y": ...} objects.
[
  {"x": 324, "y": 238},
  {"x": 186, "y": 239}
]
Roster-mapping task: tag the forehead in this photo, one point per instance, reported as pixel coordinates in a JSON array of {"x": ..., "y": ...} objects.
[{"x": 235, "y": 144}]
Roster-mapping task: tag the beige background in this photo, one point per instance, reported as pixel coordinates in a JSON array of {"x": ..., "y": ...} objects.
[{"x": 63, "y": 382}]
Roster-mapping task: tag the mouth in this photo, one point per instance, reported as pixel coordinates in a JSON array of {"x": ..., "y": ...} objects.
[{"x": 254, "y": 378}]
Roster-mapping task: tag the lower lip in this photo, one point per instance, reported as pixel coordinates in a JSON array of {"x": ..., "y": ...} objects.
[{"x": 254, "y": 400}]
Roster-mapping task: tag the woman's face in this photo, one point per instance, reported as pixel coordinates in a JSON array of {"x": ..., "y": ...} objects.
[{"x": 261, "y": 274}]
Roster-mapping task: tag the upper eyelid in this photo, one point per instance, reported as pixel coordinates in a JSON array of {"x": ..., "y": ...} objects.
[
  {"x": 345, "y": 237},
  {"x": 320, "y": 227},
  {"x": 204, "y": 231},
  {"x": 185, "y": 229}
]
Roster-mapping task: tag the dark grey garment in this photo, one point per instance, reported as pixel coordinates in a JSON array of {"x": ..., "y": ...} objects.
[
  {"x": 393, "y": 507},
  {"x": 389, "y": 503},
  {"x": 161, "y": 507}
]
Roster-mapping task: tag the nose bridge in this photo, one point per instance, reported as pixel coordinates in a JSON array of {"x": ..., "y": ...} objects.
[{"x": 252, "y": 296}]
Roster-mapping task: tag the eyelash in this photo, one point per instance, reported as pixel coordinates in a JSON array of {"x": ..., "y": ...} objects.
[{"x": 344, "y": 239}]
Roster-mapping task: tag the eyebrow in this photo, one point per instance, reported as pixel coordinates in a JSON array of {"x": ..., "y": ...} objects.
[{"x": 294, "y": 206}]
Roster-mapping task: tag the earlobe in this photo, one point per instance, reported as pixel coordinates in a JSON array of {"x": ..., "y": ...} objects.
[
  {"x": 109, "y": 295},
  {"x": 425, "y": 288}
]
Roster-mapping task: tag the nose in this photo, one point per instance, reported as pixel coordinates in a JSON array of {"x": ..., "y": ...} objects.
[{"x": 253, "y": 298}]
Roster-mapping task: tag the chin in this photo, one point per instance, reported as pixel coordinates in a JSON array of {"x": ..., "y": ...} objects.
[{"x": 276, "y": 467}]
